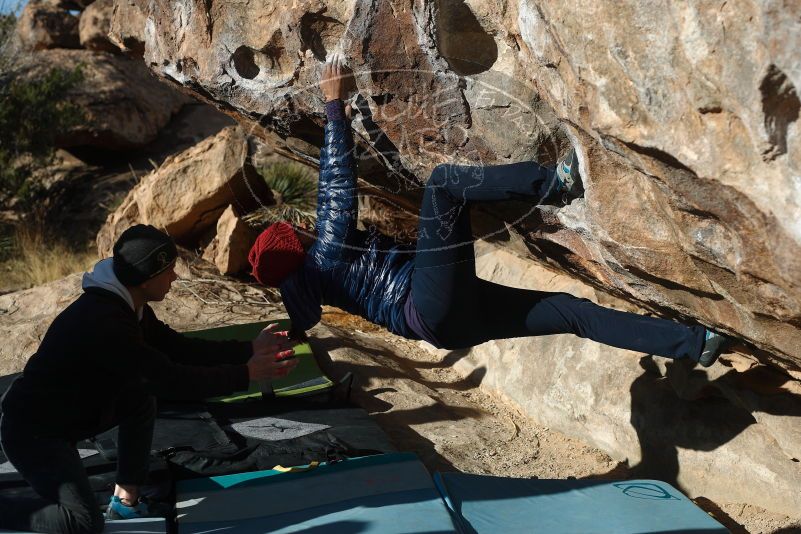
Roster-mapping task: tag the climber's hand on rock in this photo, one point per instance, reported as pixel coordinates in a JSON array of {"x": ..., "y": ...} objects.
[{"x": 337, "y": 79}]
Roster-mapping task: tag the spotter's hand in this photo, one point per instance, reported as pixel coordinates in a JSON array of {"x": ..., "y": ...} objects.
[
  {"x": 270, "y": 366},
  {"x": 270, "y": 340}
]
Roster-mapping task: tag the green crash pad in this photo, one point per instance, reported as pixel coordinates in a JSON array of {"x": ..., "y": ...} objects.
[{"x": 306, "y": 379}]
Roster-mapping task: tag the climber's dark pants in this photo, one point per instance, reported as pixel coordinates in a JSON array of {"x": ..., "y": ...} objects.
[
  {"x": 53, "y": 468},
  {"x": 462, "y": 310}
]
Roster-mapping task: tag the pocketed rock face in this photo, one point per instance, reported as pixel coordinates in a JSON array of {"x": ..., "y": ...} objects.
[
  {"x": 686, "y": 117},
  {"x": 695, "y": 158}
]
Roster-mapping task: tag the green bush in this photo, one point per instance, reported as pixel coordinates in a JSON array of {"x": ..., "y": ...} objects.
[
  {"x": 7, "y": 23},
  {"x": 33, "y": 113}
]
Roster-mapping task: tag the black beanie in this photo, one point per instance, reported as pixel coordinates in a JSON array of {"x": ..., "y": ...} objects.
[{"x": 142, "y": 252}]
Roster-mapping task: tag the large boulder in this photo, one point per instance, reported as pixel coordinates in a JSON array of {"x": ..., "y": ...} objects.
[
  {"x": 687, "y": 127},
  {"x": 127, "y": 29},
  {"x": 94, "y": 26},
  {"x": 42, "y": 26},
  {"x": 189, "y": 192},
  {"x": 230, "y": 247},
  {"x": 125, "y": 106}
]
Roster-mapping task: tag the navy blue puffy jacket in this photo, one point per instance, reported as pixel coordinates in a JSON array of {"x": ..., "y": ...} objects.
[{"x": 366, "y": 274}]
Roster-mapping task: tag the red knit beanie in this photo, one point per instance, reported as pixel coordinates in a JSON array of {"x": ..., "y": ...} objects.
[{"x": 276, "y": 254}]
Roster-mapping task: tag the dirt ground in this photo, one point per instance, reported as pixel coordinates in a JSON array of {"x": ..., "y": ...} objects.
[{"x": 427, "y": 407}]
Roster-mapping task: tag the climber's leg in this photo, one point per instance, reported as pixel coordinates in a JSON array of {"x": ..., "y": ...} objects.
[
  {"x": 504, "y": 312},
  {"x": 445, "y": 260}
]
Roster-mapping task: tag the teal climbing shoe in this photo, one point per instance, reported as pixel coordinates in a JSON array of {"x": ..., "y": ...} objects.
[
  {"x": 714, "y": 345},
  {"x": 117, "y": 510},
  {"x": 569, "y": 177}
]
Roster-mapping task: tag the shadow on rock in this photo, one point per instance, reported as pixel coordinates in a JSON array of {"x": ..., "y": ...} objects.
[{"x": 680, "y": 407}]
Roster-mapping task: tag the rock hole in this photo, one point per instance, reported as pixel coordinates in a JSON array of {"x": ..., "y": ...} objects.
[
  {"x": 382, "y": 99},
  {"x": 794, "y": 459},
  {"x": 268, "y": 63},
  {"x": 319, "y": 33},
  {"x": 189, "y": 65},
  {"x": 780, "y": 105},
  {"x": 461, "y": 40},
  {"x": 245, "y": 63}
]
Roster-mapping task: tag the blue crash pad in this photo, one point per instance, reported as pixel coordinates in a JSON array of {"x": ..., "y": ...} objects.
[
  {"x": 488, "y": 505},
  {"x": 388, "y": 493}
]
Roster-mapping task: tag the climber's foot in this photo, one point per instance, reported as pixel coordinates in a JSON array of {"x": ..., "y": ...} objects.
[
  {"x": 118, "y": 510},
  {"x": 569, "y": 177},
  {"x": 714, "y": 345}
]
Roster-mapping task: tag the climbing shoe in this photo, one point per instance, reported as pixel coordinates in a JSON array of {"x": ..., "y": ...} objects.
[
  {"x": 714, "y": 345},
  {"x": 567, "y": 173},
  {"x": 117, "y": 510}
]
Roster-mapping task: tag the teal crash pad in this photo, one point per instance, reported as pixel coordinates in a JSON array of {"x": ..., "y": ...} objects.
[
  {"x": 488, "y": 505},
  {"x": 386, "y": 494}
]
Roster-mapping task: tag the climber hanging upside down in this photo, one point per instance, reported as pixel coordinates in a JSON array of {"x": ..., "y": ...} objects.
[{"x": 434, "y": 294}]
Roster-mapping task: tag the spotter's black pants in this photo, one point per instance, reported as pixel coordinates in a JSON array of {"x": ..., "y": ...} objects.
[{"x": 53, "y": 468}]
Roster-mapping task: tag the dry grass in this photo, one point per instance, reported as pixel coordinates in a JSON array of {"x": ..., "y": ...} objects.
[{"x": 34, "y": 259}]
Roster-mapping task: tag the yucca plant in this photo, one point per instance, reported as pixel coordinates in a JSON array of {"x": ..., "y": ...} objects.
[{"x": 295, "y": 190}]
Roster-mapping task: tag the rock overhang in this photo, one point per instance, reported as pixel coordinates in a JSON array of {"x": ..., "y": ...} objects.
[{"x": 690, "y": 154}]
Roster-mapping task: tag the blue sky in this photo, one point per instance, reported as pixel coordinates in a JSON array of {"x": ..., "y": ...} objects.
[{"x": 11, "y": 5}]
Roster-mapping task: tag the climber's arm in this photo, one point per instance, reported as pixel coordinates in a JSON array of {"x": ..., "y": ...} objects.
[{"x": 337, "y": 207}]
